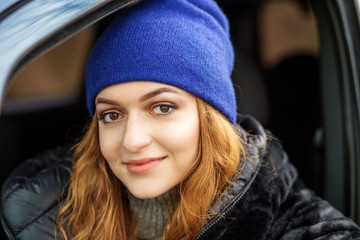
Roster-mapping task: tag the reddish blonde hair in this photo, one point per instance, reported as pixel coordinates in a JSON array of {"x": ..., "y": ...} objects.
[{"x": 96, "y": 206}]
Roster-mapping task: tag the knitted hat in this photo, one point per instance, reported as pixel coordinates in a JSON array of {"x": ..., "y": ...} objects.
[{"x": 183, "y": 43}]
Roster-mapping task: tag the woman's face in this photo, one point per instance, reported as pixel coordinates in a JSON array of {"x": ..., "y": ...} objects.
[{"x": 149, "y": 135}]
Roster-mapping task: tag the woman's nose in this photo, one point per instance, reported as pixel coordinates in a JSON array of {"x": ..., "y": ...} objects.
[{"x": 136, "y": 135}]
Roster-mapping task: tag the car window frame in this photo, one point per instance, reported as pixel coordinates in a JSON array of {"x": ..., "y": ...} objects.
[
  {"x": 87, "y": 13},
  {"x": 339, "y": 30}
]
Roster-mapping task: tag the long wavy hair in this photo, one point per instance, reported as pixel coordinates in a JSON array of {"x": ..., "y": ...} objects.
[{"x": 96, "y": 206}]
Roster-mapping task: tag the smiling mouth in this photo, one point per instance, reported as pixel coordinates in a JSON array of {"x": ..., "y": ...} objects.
[{"x": 144, "y": 165}]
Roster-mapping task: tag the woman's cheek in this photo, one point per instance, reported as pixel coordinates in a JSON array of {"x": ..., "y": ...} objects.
[
  {"x": 109, "y": 142},
  {"x": 182, "y": 135}
]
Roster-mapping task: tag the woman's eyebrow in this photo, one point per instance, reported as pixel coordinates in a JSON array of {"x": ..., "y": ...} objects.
[
  {"x": 106, "y": 101},
  {"x": 157, "y": 92}
]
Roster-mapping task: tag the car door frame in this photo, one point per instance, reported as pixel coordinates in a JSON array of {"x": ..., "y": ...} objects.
[
  {"x": 339, "y": 31},
  {"x": 27, "y": 38}
]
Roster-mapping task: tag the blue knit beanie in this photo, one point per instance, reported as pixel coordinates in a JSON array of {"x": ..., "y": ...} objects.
[{"x": 183, "y": 43}]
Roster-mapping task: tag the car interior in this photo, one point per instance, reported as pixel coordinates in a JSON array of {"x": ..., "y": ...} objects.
[{"x": 277, "y": 78}]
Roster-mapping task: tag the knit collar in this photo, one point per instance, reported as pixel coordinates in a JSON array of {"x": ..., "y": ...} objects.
[{"x": 151, "y": 215}]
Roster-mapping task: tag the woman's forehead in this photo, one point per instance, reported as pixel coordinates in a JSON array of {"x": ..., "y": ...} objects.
[{"x": 140, "y": 88}]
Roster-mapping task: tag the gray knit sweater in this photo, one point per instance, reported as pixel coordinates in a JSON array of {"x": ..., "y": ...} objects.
[{"x": 151, "y": 215}]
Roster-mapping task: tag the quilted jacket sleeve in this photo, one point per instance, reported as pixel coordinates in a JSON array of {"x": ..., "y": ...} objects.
[{"x": 30, "y": 196}]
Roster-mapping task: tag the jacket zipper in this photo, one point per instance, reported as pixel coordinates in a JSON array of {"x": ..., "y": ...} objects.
[
  {"x": 230, "y": 207},
  {"x": 6, "y": 230}
]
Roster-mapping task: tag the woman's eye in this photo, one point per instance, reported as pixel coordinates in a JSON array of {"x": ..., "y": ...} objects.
[
  {"x": 163, "y": 109},
  {"x": 110, "y": 117}
]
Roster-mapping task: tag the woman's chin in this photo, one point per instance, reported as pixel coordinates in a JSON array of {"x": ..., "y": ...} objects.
[{"x": 146, "y": 194}]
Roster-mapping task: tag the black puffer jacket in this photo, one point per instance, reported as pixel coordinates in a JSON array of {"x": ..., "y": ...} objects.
[{"x": 268, "y": 201}]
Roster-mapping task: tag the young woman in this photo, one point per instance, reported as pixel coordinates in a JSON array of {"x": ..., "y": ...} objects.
[{"x": 166, "y": 156}]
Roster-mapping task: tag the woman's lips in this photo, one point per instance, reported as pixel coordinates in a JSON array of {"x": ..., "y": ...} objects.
[{"x": 143, "y": 165}]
